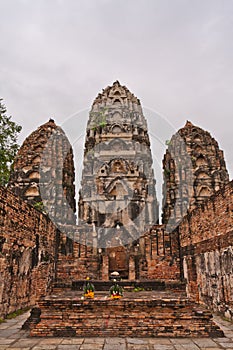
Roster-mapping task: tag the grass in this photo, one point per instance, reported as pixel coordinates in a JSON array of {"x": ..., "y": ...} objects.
[
  {"x": 16, "y": 313},
  {"x": 138, "y": 289},
  {"x": 224, "y": 318}
]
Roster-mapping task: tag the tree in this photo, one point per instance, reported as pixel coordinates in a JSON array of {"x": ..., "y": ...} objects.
[{"x": 9, "y": 131}]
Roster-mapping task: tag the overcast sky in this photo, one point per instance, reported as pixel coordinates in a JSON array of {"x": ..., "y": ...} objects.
[{"x": 176, "y": 56}]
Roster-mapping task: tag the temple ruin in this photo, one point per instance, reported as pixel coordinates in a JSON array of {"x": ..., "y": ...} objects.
[{"x": 46, "y": 255}]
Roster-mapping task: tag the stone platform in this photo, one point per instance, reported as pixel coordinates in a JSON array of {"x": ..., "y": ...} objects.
[
  {"x": 137, "y": 314},
  {"x": 152, "y": 285},
  {"x": 12, "y": 337}
]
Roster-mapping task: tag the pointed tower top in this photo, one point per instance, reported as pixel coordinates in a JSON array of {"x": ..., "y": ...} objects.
[
  {"x": 188, "y": 124},
  {"x": 116, "y": 82},
  {"x": 114, "y": 94},
  {"x": 190, "y": 128}
]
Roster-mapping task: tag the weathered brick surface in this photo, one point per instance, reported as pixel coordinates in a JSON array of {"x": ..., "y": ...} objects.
[
  {"x": 154, "y": 256},
  {"x": 45, "y": 159},
  {"x": 206, "y": 238},
  {"x": 33, "y": 254},
  {"x": 118, "y": 160},
  {"x": 194, "y": 168},
  {"x": 161, "y": 259},
  {"x": 130, "y": 316},
  {"x": 27, "y": 253}
]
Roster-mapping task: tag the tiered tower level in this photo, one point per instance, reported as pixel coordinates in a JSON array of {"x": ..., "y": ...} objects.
[
  {"x": 43, "y": 173},
  {"x": 194, "y": 169},
  {"x": 118, "y": 185}
]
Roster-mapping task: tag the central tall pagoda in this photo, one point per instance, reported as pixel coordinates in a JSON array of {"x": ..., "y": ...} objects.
[{"x": 118, "y": 185}]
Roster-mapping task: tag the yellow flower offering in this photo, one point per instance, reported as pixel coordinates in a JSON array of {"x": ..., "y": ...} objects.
[
  {"x": 88, "y": 289},
  {"x": 115, "y": 296},
  {"x": 89, "y": 294}
]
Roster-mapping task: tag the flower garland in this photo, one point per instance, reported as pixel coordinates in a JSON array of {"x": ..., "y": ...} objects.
[
  {"x": 88, "y": 289},
  {"x": 116, "y": 291}
]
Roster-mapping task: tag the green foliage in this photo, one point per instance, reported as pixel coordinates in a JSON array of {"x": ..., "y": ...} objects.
[
  {"x": 225, "y": 318},
  {"x": 39, "y": 206},
  {"x": 116, "y": 290},
  {"x": 88, "y": 287},
  {"x": 100, "y": 119},
  {"x": 9, "y": 131},
  {"x": 193, "y": 159},
  {"x": 167, "y": 172},
  {"x": 17, "y": 313},
  {"x": 102, "y": 124},
  {"x": 2, "y": 320},
  {"x": 138, "y": 289}
]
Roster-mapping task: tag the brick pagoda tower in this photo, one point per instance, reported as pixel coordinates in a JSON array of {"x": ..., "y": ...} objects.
[
  {"x": 45, "y": 163},
  {"x": 194, "y": 168},
  {"x": 118, "y": 185}
]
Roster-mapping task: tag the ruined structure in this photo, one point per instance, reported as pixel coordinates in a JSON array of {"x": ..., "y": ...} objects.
[
  {"x": 118, "y": 185},
  {"x": 206, "y": 240},
  {"x": 29, "y": 244},
  {"x": 43, "y": 173},
  {"x": 118, "y": 229},
  {"x": 194, "y": 169}
]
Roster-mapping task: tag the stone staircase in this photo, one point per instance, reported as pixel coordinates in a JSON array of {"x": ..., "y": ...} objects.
[{"x": 155, "y": 313}]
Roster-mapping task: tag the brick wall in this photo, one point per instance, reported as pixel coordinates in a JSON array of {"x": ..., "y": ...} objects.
[
  {"x": 30, "y": 261},
  {"x": 161, "y": 255},
  {"x": 155, "y": 255},
  {"x": 27, "y": 253},
  {"x": 131, "y": 316},
  {"x": 78, "y": 264},
  {"x": 33, "y": 254},
  {"x": 206, "y": 236}
]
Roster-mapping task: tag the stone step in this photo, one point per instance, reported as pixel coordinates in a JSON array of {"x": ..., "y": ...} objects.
[
  {"x": 159, "y": 285},
  {"x": 142, "y": 314}
]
